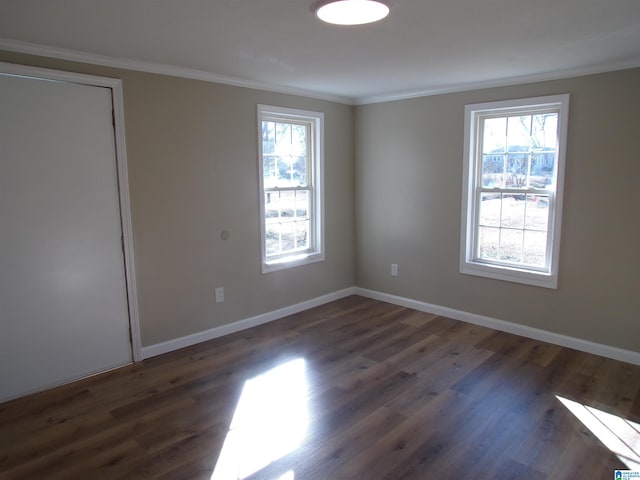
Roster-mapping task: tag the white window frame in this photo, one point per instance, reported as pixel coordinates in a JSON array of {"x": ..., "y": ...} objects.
[
  {"x": 315, "y": 252},
  {"x": 472, "y": 174}
]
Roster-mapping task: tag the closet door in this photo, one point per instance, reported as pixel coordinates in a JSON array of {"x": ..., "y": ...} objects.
[{"x": 63, "y": 292}]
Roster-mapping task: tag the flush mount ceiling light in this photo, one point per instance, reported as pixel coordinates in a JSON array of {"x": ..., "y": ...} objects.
[{"x": 351, "y": 12}]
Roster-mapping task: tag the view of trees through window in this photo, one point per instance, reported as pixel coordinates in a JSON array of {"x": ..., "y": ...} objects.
[
  {"x": 517, "y": 173},
  {"x": 287, "y": 186}
]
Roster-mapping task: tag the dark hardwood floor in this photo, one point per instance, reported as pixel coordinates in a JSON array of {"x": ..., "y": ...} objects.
[{"x": 355, "y": 389}]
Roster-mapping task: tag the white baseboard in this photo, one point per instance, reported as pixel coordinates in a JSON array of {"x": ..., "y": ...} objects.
[
  {"x": 177, "y": 343},
  {"x": 509, "y": 327},
  {"x": 502, "y": 325}
]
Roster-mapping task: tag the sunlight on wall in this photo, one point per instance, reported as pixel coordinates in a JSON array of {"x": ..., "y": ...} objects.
[
  {"x": 619, "y": 435},
  {"x": 270, "y": 422}
]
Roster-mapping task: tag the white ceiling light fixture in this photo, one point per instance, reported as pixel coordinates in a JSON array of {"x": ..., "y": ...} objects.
[{"x": 351, "y": 12}]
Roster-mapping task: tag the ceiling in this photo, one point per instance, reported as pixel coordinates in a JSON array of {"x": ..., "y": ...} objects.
[{"x": 422, "y": 47}]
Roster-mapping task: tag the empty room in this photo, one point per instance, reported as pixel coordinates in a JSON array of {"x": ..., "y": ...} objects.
[{"x": 309, "y": 240}]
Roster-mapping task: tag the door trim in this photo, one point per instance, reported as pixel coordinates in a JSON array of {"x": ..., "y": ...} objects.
[{"x": 117, "y": 100}]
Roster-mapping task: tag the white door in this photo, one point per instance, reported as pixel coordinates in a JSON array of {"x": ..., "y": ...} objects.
[{"x": 63, "y": 293}]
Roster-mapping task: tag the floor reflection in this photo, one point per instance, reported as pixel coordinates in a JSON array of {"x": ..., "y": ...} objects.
[
  {"x": 270, "y": 421},
  {"x": 618, "y": 434},
  {"x": 290, "y": 475}
]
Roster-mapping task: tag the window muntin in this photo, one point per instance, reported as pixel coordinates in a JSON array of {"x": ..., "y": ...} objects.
[
  {"x": 291, "y": 179},
  {"x": 513, "y": 188}
]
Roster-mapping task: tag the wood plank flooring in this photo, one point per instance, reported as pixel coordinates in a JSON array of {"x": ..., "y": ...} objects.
[{"x": 355, "y": 389}]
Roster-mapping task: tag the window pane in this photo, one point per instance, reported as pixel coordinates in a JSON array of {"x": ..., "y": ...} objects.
[
  {"x": 537, "y": 212},
  {"x": 517, "y": 170},
  {"x": 299, "y": 140},
  {"x": 542, "y": 169},
  {"x": 282, "y": 138},
  {"x": 287, "y": 204},
  {"x": 544, "y": 131},
  {"x": 299, "y": 171},
  {"x": 511, "y": 245},
  {"x": 287, "y": 221},
  {"x": 513, "y": 211},
  {"x": 302, "y": 234},
  {"x": 268, "y": 137},
  {"x": 285, "y": 172},
  {"x": 518, "y": 133},
  {"x": 288, "y": 236},
  {"x": 272, "y": 239},
  {"x": 269, "y": 171},
  {"x": 291, "y": 171},
  {"x": 535, "y": 248},
  {"x": 490, "y": 209},
  {"x": 271, "y": 204},
  {"x": 302, "y": 204},
  {"x": 494, "y": 139},
  {"x": 493, "y": 171},
  {"x": 290, "y": 150},
  {"x": 488, "y": 243}
]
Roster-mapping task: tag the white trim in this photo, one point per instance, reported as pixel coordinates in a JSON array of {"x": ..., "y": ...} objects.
[
  {"x": 160, "y": 69},
  {"x": 177, "y": 343},
  {"x": 163, "y": 69},
  {"x": 316, "y": 122},
  {"x": 125, "y": 218},
  {"x": 500, "y": 82},
  {"x": 123, "y": 182},
  {"x": 587, "y": 346},
  {"x": 471, "y": 178},
  {"x": 58, "y": 75}
]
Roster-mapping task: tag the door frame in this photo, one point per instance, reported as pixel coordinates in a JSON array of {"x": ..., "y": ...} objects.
[{"x": 117, "y": 102}]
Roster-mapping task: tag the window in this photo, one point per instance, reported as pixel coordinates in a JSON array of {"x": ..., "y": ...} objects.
[
  {"x": 291, "y": 171},
  {"x": 512, "y": 190}
]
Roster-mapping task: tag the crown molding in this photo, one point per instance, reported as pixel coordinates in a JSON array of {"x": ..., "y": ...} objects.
[
  {"x": 502, "y": 82},
  {"x": 194, "y": 74},
  {"x": 18, "y": 46}
]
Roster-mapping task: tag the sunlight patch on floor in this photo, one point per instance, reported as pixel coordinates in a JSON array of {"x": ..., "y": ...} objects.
[
  {"x": 290, "y": 475},
  {"x": 270, "y": 421},
  {"x": 618, "y": 434}
]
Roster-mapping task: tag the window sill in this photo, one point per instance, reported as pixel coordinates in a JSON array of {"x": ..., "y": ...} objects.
[
  {"x": 514, "y": 275},
  {"x": 291, "y": 262}
]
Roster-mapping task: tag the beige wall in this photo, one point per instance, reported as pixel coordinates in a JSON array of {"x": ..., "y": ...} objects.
[
  {"x": 193, "y": 172},
  {"x": 408, "y": 196}
]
